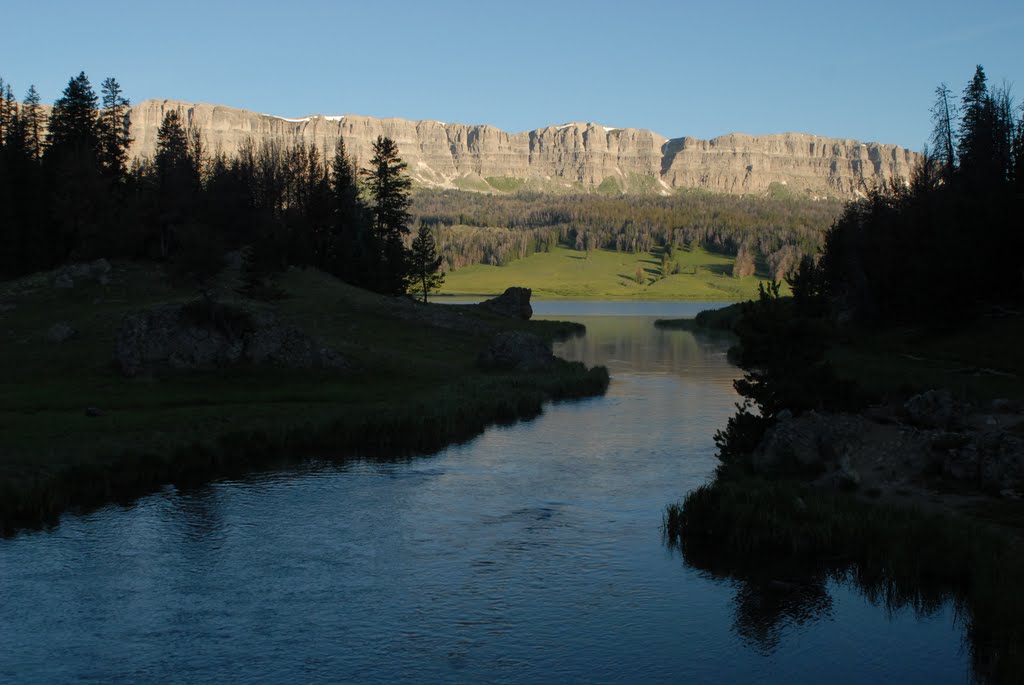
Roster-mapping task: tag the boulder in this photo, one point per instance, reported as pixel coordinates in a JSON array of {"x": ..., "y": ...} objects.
[
  {"x": 61, "y": 332},
  {"x": 808, "y": 443},
  {"x": 517, "y": 350},
  {"x": 934, "y": 409},
  {"x": 175, "y": 337},
  {"x": 514, "y": 302},
  {"x": 64, "y": 281}
]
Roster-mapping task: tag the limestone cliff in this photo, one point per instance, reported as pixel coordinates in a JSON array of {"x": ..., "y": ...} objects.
[{"x": 575, "y": 155}]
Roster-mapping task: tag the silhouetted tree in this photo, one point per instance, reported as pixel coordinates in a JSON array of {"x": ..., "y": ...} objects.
[
  {"x": 944, "y": 115},
  {"x": 424, "y": 264},
  {"x": 389, "y": 187},
  {"x": 34, "y": 122},
  {"x": 73, "y": 120},
  {"x": 177, "y": 180},
  {"x": 348, "y": 247},
  {"x": 114, "y": 138}
]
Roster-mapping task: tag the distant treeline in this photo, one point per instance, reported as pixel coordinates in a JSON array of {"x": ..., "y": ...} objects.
[{"x": 495, "y": 229}]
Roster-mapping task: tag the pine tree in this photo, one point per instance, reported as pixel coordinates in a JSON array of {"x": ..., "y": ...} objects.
[
  {"x": 113, "y": 131},
  {"x": 347, "y": 249},
  {"x": 74, "y": 121},
  {"x": 944, "y": 116},
  {"x": 79, "y": 199},
  {"x": 424, "y": 264},
  {"x": 34, "y": 121},
  {"x": 389, "y": 188},
  {"x": 8, "y": 112},
  {"x": 177, "y": 180}
]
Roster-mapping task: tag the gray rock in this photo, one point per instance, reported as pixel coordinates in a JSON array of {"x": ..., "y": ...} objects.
[
  {"x": 233, "y": 260},
  {"x": 79, "y": 270},
  {"x": 167, "y": 337},
  {"x": 934, "y": 409},
  {"x": 514, "y": 302},
  {"x": 269, "y": 342},
  {"x": 100, "y": 267},
  {"x": 61, "y": 332},
  {"x": 94, "y": 412},
  {"x": 64, "y": 281},
  {"x": 808, "y": 443},
  {"x": 1006, "y": 406},
  {"x": 517, "y": 350}
]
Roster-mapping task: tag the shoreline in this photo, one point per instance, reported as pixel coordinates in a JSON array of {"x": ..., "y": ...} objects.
[
  {"x": 421, "y": 424},
  {"x": 79, "y": 430}
]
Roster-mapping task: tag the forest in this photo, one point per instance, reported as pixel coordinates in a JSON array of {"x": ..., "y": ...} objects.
[
  {"x": 950, "y": 240},
  {"x": 495, "y": 229},
  {"x": 69, "y": 192}
]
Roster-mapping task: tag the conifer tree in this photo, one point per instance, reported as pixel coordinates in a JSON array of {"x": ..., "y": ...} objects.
[
  {"x": 177, "y": 181},
  {"x": 389, "y": 188},
  {"x": 424, "y": 264},
  {"x": 34, "y": 122},
  {"x": 348, "y": 248},
  {"x": 73, "y": 121},
  {"x": 944, "y": 116},
  {"x": 113, "y": 131}
]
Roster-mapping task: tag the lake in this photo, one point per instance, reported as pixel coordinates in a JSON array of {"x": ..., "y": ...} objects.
[{"x": 533, "y": 553}]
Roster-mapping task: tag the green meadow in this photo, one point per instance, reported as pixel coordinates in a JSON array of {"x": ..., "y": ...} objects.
[{"x": 569, "y": 274}]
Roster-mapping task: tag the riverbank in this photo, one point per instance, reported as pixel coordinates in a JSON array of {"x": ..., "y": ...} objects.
[
  {"x": 77, "y": 432},
  {"x": 917, "y": 493}
]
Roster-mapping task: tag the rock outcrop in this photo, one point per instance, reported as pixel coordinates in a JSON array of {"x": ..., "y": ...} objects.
[
  {"x": 901, "y": 449},
  {"x": 514, "y": 302},
  {"x": 173, "y": 337},
  {"x": 517, "y": 350},
  {"x": 583, "y": 156}
]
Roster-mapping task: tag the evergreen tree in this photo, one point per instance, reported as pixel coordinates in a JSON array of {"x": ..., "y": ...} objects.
[
  {"x": 177, "y": 181},
  {"x": 73, "y": 121},
  {"x": 424, "y": 264},
  {"x": 347, "y": 247},
  {"x": 389, "y": 188},
  {"x": 79, "y": 201},
  {"x": 8, "y": 112},
  {"x": 944, "y": 117},
  {"x": 34, "y": 122},
  {"x": 113, "y": 131}
]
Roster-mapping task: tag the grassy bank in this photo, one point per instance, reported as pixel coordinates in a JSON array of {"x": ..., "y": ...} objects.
[
  {"x": 742, "y": 524},
  {"x": 607, "y": 275},
  {"x": 415, "y": 387}
]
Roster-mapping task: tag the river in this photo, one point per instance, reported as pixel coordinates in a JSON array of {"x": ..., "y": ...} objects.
[{"x": 531, "y": 554}]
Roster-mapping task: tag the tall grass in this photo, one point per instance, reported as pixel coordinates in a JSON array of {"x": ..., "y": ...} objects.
[{"x": 416, "y": 425}]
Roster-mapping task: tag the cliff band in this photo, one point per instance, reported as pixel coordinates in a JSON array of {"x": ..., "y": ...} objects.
[{"x": 571, "y": 156}]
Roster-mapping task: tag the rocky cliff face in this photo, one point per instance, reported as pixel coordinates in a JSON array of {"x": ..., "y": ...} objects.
[{"x": 579, "y": 156}]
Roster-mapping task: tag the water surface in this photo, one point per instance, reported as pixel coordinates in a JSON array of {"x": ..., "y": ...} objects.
[{"x": 531, "y": 554}]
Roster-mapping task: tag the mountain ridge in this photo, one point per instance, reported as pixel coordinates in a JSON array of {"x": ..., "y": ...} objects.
[{"x": 574, "y": 156}]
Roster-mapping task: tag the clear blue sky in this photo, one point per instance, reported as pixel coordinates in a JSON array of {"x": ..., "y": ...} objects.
[{"x": 863, "y": 70}]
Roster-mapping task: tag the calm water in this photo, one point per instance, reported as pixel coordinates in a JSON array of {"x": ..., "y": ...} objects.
[{"x": 532, "y": 554}]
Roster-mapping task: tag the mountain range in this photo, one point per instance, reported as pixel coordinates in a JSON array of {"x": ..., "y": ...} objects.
[{"x": 568, "y": 157}]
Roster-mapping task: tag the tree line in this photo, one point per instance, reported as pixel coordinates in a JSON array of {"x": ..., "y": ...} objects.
[
  {"x": 495, "y": 229},
  {"x": 68, "y": 192},
  {"x": 952, "y": 238}
]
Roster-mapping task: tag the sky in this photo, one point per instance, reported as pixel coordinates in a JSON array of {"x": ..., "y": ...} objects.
[{"x": 865, "y": 70}]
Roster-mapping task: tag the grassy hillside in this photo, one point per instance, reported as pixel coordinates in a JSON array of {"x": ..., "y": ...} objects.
[
  {"x": 608, "y": 275},
  {"x": 415, "y": 387}
]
